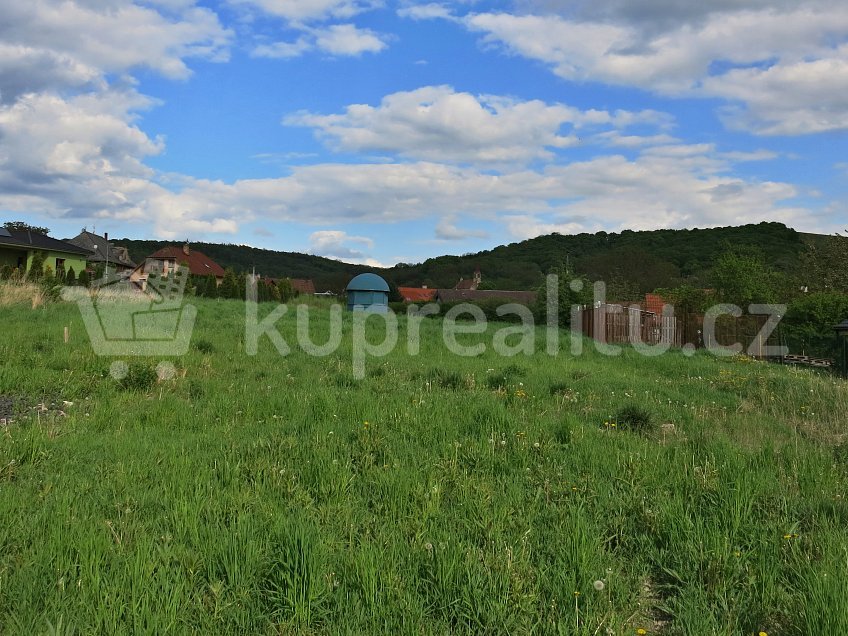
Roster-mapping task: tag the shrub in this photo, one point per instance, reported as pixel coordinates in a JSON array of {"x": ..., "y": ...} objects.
[{"x": 36, "y": 268}]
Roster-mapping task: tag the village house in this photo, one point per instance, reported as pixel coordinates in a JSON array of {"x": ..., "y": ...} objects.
[
  {"x": 18, "y": 247},
  {"x": 102, "y": 252},
  {"x": 166, "y": 261},
  {"x": 471, "y": 283}
]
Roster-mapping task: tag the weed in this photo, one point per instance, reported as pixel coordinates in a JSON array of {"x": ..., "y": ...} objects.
[
  {"x": 140, "y": 376},
  {"x": 204, "y": 346},
  {"x": 634, "y": 418}
]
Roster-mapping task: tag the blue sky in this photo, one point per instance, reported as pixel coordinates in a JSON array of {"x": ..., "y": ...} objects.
[{"x": 377, "y": 132}]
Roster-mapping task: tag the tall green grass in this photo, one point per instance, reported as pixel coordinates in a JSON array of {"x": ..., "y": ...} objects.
[{"x": 278, "y": 495}]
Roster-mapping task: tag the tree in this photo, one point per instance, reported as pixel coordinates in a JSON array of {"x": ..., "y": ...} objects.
[
  {"x": 6, "y": 272},
  {"x": 825, "y": 264},
  {"x": 70, "y": 277},
  {"x": 741, "y": 277},
  {"x": 211, "y": 286},
  {"x": 22, "y": 226},
  {"x": 84, "y": 279},
  {"x": 229, "y": 286},
  {"x": 571, "y": 290},
  {"x": 286, "y": 290},
  {"x": 36, "y": 267},
  {"x": 686, "y": 299},
  {"x": 394, "y": 293}
]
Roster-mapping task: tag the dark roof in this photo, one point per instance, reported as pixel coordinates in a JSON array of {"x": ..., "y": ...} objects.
[
  {"x": 28, "y": 239},
  {"x": 367, "y": 282},
  {"x": 97, "y": 244},
  {"x": 453, "y": 295},
  {"x": 466, "y": 284},
  {"x": 198, "y": 263}
]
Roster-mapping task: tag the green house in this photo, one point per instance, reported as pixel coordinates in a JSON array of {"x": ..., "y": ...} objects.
[{"x": 17, "y": 247}]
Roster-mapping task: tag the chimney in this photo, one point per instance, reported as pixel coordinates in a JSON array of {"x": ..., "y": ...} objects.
[
  {"x": 106, "y": 236},
  {"x": 423, "y": 286},
  {"x": 185, "y": 249}
]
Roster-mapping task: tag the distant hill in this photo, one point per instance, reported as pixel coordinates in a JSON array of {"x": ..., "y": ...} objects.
[
  {"x": 638, "y": 261},
  {"x": 326, "y": 272}
]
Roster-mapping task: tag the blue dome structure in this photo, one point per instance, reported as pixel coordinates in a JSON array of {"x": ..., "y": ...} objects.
[
  {"x": 367, "y": 282},
  {"x": 368, "y": 292}
]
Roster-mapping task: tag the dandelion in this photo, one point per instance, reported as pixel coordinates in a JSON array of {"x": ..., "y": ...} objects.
[
  {"x": 576, "y": 594},
  {"x": 762, "y": 634},
  {"x": 641, "y": 631},
  {"x": 598, "y": 585}
]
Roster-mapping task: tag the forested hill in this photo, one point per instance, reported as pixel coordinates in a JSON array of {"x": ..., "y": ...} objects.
[
  {"x": 637, "y": 261},
  {"x": 326, "y": 272}
]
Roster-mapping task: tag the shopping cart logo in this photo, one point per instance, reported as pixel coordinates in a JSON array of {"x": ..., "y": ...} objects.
[{"x": 123, "y": 319}]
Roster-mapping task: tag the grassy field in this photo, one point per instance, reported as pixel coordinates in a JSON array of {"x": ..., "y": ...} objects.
[{"x": 438, "y": 495}]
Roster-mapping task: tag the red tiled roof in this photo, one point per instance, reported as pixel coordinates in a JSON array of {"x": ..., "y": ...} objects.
[
  {"x": 417, "y": 294},
  {"x": 654, "y": 303},
  {"x": 198, "y": 263},
  {"x": 303, "y": 285}
]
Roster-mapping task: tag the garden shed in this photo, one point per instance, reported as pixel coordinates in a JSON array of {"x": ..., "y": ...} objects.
[{"x": 368, "y": 292}]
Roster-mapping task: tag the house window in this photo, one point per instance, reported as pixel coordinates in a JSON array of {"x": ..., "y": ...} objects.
[{"x": 60, "y": 266}]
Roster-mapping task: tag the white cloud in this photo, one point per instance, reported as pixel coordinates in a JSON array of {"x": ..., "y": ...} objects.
[
  {"x": 789, "y": 99},
  {"x": 347, "y": 39},
  {"x": 609, "y": 193},
  {"x": 336, "y": 39},
  {"x": 615, "y": 138},
  {"x": 283, "y": 50},
  {"x": 302, "y": 11},
  {"x": 425, "y": 12},
  {"x": 110, "y": 37},
  {"x": 439, "y": 124},
  {"x": 785, "y": 66},
  {"x": 342, "y": 246},
  {"x": 446, "y": 230}
]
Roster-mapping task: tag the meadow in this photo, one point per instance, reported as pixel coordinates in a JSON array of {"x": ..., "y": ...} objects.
[{"x": 534, "y": 494}]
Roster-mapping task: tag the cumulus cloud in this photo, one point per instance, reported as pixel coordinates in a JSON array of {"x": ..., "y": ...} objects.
[
  {"x": 347, "y": 39},
  {"x": 780, "y": 64},
  {"x": 303, "y": 11},
  {"x": 789, "y": 99},
  {"x": 342, "y": 246},
  {"x": 446, "y": 230},
  {"x": 75, "y": 37},
  {"x": 284, "y": 50},
  {"x": 437, "y": 123},
  {"x": 69, "y": 141},
  {"x": 337, "y": 39},
  {"x": 611, "y": 193},
  {"x": 426, "y": 12}
]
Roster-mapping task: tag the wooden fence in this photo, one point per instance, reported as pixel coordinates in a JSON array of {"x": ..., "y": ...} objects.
[{"x": 614, "y": 324}]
